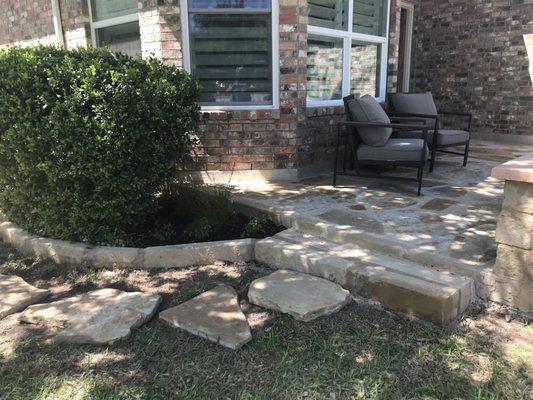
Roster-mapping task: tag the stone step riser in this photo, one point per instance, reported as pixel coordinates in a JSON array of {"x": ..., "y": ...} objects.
[
  {"x": 382, "y": 244},
  {"x": 403, "y": 293}
]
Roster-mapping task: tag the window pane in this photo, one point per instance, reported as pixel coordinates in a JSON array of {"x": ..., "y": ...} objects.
[
  {"x": 124, "y": 38},
  {"x": 369, "y": 17},
  {"x": 324, "y": 68},
  {"x": 104, "y": 9},
  {"x": 365, "y": 68},
  {"x": 199, "y": 4},
  {"x": 232, "y": 56},
  {"x": 331, "y": 14}
]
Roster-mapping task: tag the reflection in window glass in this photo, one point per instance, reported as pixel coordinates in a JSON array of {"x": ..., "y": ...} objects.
[
  {"x": 324, "y": 68},
  {"x": 365, "y": 68},
  {"x": 231, "y": 55},
  {"x": 369, "y": 17},
  {"x": 202, "y": 4},
  {"x": 331, "y": 14},
  {"x": 105, "y": 9},
  {"x": 124, "y": 38}
]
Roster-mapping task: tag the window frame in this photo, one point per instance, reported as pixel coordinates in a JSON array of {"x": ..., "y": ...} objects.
[
  {"x": 186, "y": 51},
  {"x": 106, "y": 23},
  {"x": 348, "y": 37}
]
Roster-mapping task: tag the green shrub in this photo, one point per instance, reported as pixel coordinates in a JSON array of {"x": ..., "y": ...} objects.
[{"x": 89, "y": 138}]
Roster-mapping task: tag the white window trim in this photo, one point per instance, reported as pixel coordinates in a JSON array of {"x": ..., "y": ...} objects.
[
  {"x": 123, "y": 19},
  {"x": 410, "y": 7},
  {"x": 348, "y": 36},
  {"x": 184, "y": 17}
]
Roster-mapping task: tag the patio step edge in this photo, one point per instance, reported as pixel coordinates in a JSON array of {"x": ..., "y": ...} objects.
[{"x": 438, "y": 296}]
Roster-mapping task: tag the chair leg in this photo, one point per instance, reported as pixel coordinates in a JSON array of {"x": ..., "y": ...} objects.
[
  {"x": 419, "y": 177},
  {"x": 433, "y": 156},
  {"x": 335, "y": 163},
  {"x": 467, "y": 147},
  {"x": 345, "y": 154}
]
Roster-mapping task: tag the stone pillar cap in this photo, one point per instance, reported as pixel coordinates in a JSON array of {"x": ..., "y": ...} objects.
[{"x": 519, "y": 169}]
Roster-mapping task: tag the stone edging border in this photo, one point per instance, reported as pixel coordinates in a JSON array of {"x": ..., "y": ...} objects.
[{"x": 173, "y": 256}]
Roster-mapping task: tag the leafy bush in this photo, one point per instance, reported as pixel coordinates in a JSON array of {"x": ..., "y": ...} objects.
[{"x": 89, "y": 138}]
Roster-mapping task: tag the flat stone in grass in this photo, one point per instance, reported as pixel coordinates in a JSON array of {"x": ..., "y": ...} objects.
[
  {"x": 98, "y": 317},
  {"x": 303, "y": 296},
  {"x": 16, "y": 294},
  {"x": 214, "y": 315}
]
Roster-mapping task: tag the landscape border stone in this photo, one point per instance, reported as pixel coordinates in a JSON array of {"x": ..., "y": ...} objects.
[{"x": 76, "y": 253}]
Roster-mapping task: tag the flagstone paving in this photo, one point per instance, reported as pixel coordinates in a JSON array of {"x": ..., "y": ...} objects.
[
  {"x": 16, "y": 295},
  {"x": 455, "y": 216},
  {"x": 303, "y": 296},
  {"x": 214, "y": 315},
  {"x": 98, "y": 317}
]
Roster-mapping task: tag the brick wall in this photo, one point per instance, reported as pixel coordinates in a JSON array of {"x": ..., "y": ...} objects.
[
  {"x": 472, "y": 55},
  {"x": 26, "y": 22},
  {"x": 30, "y": 22}
]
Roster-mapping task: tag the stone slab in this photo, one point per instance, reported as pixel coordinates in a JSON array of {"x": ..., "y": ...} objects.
[
  {"x": 353, "y": 218},
  {"x": 520, "y": 169},
  {"x": 515, "y": 229},
  {"x": 303, "y": 296},
  {"x": 214, "y": 315},
  {"x": 99, "y": 317},
  {"x": 514, "y": 263},
  {"x": 519, "y": 196},
  {"x": 16, "y": 294},
  {"x": 185, "y": 255},
  {"x": 438, "y": 204}
]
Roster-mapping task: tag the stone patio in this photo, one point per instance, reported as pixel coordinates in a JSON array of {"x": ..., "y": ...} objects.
[
  {"x": 455, "y": 216},
  {"x": 450, "y": 227}
]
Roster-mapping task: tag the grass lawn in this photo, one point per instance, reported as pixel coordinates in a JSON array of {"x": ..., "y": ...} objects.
[{"x": 361, "y": 352}]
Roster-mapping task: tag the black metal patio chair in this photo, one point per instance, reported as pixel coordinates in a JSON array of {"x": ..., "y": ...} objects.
[
  {"x": 421, "y": 105},
  {"x": 367, "y": 140}
]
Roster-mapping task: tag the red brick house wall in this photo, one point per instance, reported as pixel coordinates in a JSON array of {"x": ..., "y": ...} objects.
[
  {"x": 472, "y": 55},
  {"x": 26, "y": 21}
]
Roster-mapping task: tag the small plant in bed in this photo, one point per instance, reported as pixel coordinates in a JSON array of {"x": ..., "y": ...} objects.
[{"x": 191, "y": 212}]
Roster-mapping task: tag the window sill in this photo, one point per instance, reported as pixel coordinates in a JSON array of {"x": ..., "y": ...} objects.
[{"x": 238, "y": 108}]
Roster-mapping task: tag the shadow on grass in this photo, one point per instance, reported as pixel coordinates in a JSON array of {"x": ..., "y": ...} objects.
[{"x": 359, "y": 353}]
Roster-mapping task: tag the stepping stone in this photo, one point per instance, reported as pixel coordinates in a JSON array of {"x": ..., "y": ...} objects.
[
  {"x": 99, "y": 317},
  {"x": 303, "y": 296},
  {"x": 16, "y": 294},
  {"x": 214, "y": 315}
]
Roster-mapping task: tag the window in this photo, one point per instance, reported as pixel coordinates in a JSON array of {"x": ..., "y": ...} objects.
[
  {"x": 324, "y": 68},
  {"x": 346, "y": 50},
  {"x": 115, "y": 24},
  {"x": 232, "y": 51}
]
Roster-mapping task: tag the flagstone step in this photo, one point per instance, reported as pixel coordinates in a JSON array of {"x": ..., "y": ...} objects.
[
  {"x": 436, "y": 295},
  {"x": 360, "y": 235}
]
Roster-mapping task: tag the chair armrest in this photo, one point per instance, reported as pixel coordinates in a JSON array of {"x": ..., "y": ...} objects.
[
  {"x": 385, "y": 125},
  {"x": 397, "y": 114},
  {"x": 408, "y": 119},
  {"x": 459, "y": 114}
]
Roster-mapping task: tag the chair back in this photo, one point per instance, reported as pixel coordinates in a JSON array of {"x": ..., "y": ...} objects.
[
  {"x": 413, "y": 103},
  {"x": 352, "y": 129}
]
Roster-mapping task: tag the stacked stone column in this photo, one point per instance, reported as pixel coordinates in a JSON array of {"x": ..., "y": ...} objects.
[{"x": 514, "y": 234}]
